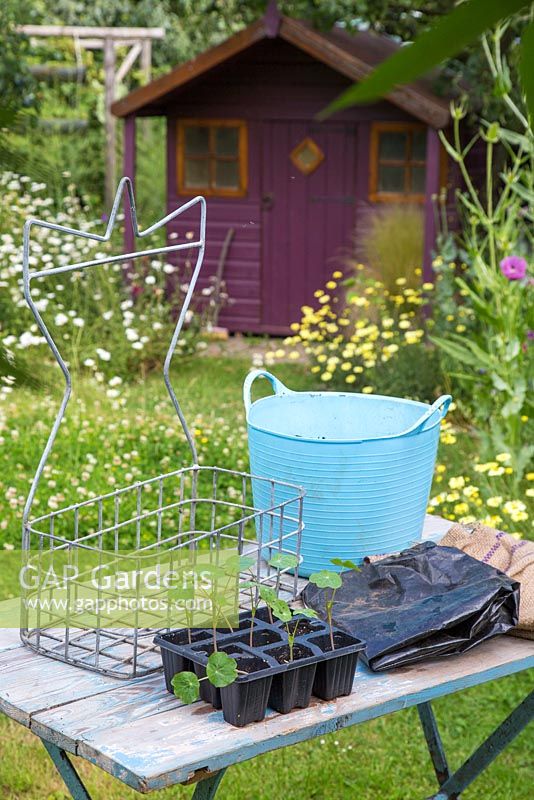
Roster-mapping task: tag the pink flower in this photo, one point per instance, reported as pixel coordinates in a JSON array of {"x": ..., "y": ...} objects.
[{"x": 514, "y": 268}]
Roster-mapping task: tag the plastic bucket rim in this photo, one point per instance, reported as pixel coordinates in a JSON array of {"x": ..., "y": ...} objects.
[{"x": 368, "y": 397}]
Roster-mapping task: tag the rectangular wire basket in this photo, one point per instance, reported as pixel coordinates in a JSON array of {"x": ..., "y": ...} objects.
[
  {"x": 195, "y": 509},
  {"x": 200, "y": 508}
]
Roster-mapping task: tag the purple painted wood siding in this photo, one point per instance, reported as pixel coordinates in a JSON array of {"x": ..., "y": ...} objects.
[{"x": 274, "y": 81}]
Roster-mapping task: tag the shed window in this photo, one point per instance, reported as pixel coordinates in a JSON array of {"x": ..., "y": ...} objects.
[
  {"x": 398, "y": 162},
  {"x": 212, "y": 157}
]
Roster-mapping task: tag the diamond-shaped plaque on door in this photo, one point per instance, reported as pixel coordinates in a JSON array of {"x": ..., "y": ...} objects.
[{"x": 307, "y": 156}]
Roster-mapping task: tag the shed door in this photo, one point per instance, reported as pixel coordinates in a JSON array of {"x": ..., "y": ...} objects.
[{"x": 308, "y": 213}]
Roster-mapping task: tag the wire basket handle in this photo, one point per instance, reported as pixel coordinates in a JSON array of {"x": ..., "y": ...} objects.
[{"x": 125, "y": 184}]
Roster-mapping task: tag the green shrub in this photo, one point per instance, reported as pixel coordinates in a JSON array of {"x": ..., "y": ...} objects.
[{"x": 392, "y": 244}]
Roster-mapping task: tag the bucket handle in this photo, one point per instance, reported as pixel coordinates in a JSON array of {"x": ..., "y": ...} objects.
[
  {"x": 277, "y": 385},
  {"x": 441, "y": 404}
]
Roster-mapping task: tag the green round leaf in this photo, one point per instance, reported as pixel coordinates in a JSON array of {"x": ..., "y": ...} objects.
[
  {"x": 281, "y": 610},
  {"x": 186, "y": 686},
  {"x": 283, "y": 561},
  {"x": 221, "y": 670},
  {"x": 326, "y": 579},
  {"x": 267, "y": 594},
  {"x": 345, "y": 564},
  {"x": 307, "y": 612}
]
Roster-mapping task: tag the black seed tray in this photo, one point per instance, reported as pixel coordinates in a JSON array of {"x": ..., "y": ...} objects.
[{"x": 283, "y": 686}]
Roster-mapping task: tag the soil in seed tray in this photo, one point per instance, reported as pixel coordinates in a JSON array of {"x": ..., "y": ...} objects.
[
  {"x": 263, "y": 614},
  {"x": 230, "y": 649},
  {"x": 307, "y": 626},
  {"x": 181, "y": 636},
  {"x": 281, "y": 654},
  {"x": 260, "y": 638},
  {"x": 251, "y": 664},
  {"x": 340, "y": 640}
]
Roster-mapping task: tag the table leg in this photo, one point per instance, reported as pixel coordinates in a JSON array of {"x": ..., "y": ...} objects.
[
  {"x": 488, "y": 751},
  {"x": 433, "y": 740},
  {"x": 63, "y": 764},
  {"x": 206, "y": 789}
]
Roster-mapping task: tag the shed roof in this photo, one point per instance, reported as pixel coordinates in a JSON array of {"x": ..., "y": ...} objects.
[{"x": 353, "y": 56}]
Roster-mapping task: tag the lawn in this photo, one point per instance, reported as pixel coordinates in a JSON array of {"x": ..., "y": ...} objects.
[{"x": 119, "y": 434}]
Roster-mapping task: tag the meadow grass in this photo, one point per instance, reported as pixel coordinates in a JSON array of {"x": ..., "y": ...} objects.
[{"x": 135, "y": 434}]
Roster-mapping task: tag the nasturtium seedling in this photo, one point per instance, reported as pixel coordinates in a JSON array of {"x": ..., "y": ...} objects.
[
  {"x": 186, "y": 686},
  {"x": 280, "y": 609},
  {"x": 283, "y": 612},
  {"x": 283, "y": 561},
  {"x": 345, "y": 563},
  {"x": 326, "y": 579},
  {"x": 221, "y": 671}
]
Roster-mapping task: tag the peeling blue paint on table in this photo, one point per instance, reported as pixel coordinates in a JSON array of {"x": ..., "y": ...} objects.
[{"x": 138, "y": 732}]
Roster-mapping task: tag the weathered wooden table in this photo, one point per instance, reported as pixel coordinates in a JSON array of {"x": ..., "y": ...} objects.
[{"x": 138, "y": 732}]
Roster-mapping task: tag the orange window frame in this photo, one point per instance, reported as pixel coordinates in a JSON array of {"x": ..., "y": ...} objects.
[
  {"x": 377, "y": 196},
  {"x": 242, "y": 157}
]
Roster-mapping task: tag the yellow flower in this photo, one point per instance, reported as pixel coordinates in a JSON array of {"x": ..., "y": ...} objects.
[
  {"x": 503, "y": 457},
  {"x": 467, "y": 520},
  {"x": 524, "y": 418},
  {"x": 440, "y": 467},
  {"x": 513, "y": 507},
  {"x": 460, "y": 328},
  {"x": 530, "y": 492},
  {"x": 324, "y": 299},
  {"x": 321, "y": 358},
  {"x": 461, "y": 508},
  {"x": 326, "y": 376},
  {"x": 486, "y": 467},
  {"x": 337, "y": 274},
  {"x": 428, "y": 286},
  {"x": 350, "y": 378},
  {"x": 331, "y": 285},
  {"x": 530, "y": 476},
  {"x": 452, "y": 497},
  {"x": 495, "y": 472},
  {"x": 495, "y": 501},
  {"x": 470, "y": 491},
  {"x": 279, "y": 353},
  {"x": 315, "y": 369},
  {"x": 367, "y": 390},
  {"x": 346, "y": 366},
  {"x": 318, "y": 293},
  {"x": 294, "y": 355},
  {"x": 357, "y": 369},
  {"x": 457, "y": 483},
  {"x": 294, "y": 326},
  {"x": 400, "y": 281}
]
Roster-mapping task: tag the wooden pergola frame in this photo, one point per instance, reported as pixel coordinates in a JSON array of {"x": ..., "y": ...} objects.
[{"x": 139, "y": 40}]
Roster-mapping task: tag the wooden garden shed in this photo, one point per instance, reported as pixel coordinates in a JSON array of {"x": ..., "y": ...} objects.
[{"x": 242, "y": 130}]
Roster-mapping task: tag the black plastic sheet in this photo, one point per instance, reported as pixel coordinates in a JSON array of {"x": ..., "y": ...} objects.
[{"x": 425, "y": 602}]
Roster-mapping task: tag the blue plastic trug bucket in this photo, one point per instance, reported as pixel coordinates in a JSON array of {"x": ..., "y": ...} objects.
[{"x": 365, "y": 461}]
